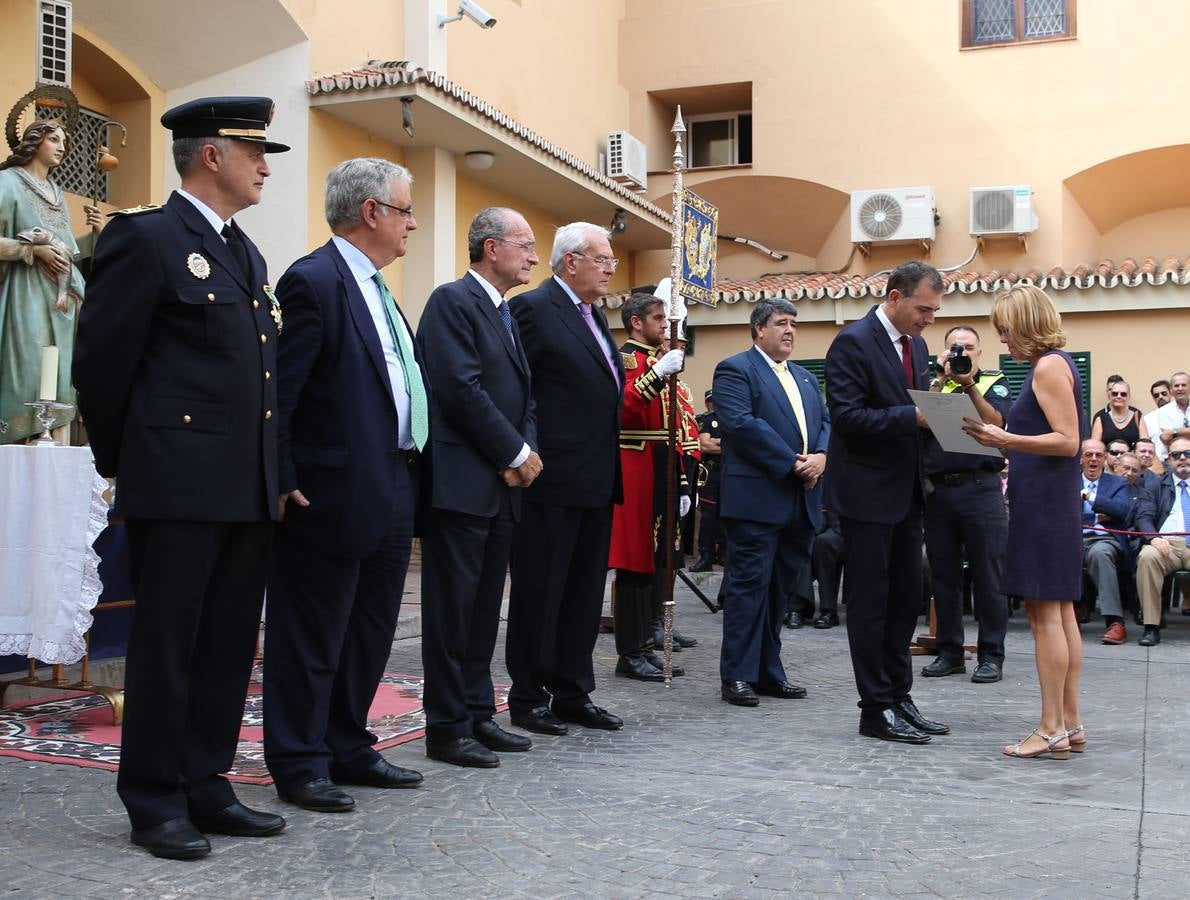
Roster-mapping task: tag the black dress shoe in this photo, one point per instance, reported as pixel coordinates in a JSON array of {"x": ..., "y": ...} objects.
[
  {"x": 1151, "y": 637},
  {"x": 654, "y": 659},
  {"x": 784, "y": 690},
  {"x": 381, "y": 774},
  {"x": 828, "y": 619},
  {"x": 589, "y": 716},
  {"x": 659, "y": 639},
  {"x": 942, "y": 666},
  {"x": 496, "y": 738},
  {"x": 793, "y": 619},
  {"x": 319, "y": 795},
  {"x": 911, "y": 714},
  {"x": 987, "y": 673},
  {"x": 739, "y": 693},
  {"x": 887, "y": 725},
  {"x": 703, "y": 564},
  {"x": 464, "y": 751},
  {"x": 639, "y": 668},
  {"x": 680, "y": 640},
  {"x": 539, "y": 720},
  {"x": 239, "y": 821},
  {"x": 172, "y": 839}
]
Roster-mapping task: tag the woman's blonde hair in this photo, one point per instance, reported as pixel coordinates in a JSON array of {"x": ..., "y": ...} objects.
[{"x": 1028, "y": 316}]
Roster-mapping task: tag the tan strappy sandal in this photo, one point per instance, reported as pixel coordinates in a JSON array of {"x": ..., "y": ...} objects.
[
  {"x": 1077, "y": 746},
  {"x": 1050, "y": 740}
]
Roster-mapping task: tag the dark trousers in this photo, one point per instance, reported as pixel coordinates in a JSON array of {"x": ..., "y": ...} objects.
[
  {"x": 882, "y": 591},
  {"x": 559, "y": 568},
  {"x": 633, "y": 612},
  {"x": 330, "y": 626},
  {"x": 826, "y": 562},
  {"x": 971, "y": 517},
  {"x": 763, "y": 562},
  {"x": 709, "y": 532},
  {"x": 199, "y": 588},
  {"x": 464, "y": 561}
]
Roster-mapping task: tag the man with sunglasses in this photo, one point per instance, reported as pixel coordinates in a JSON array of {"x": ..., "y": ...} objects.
[
  {"x": 1166, "y": 518},
  {"x": 353, "y": 419},
  {"x": 1115, "y": 449},
  {"x": 1161, "y": 393}
]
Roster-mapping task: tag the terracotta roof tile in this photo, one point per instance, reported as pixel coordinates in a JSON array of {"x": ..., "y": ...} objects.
[
  {"x": 378, "y": 74},
  {"x": 837, "y": 286}
]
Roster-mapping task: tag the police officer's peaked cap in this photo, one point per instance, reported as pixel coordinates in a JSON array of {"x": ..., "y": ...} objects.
[{"x": 241, "y": 118}]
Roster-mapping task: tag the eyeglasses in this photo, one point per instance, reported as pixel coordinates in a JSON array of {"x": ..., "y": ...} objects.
[
  {"x": 406, "y": 211},
  {"x": 1157, "y": 395},
  {"x": 1119, "y": 393},
  {"x": 527, "y": 246},
  {"x": 1114, "y": 452},
  {"x": 1179, "y": 454},
  {"x": 604, "y": 262}
]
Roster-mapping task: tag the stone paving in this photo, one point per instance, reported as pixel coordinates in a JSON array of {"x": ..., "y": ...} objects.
[{"x": 696, "y": 798}]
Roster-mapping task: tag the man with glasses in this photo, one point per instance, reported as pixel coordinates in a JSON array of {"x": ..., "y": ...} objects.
[
  {"x": 1115, "y": 449},
  {"x": 1173, "y": 419},
  {"x": 484, "y": 439},
  {"x": 353, "y": 420},
  {"x": 1160, "y": 391},
  {"x": 560, "y": 547},
  {"x": 1107, "y": 503},
  {"x": 1166, "y": 514}
]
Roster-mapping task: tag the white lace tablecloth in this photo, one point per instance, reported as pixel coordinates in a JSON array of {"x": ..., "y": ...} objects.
[{"x": 51, "y": 512}]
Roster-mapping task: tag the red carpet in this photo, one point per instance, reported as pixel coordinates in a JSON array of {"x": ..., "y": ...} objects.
[{"x": 78, "y": 730}]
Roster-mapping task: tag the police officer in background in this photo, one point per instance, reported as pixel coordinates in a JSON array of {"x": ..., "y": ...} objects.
[
  {"x": 174, "y": 365},
  {"x": 965, "y": 511},
  {"x": 709, "y": 537}
]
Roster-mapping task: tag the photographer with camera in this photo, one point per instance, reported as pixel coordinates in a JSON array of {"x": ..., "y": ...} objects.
[{"x": 965, "y": 512}]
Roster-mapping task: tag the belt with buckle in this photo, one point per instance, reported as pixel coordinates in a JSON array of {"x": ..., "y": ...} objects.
[{"x": 952, "y": 479}]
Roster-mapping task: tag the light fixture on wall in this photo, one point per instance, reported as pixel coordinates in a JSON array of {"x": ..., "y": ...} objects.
[
  {"x": 407, "y": 115},
  {"x": 619, "y": 222},
  {"x": 472, "y": 11},
  {"x": 479, "y": 159}
]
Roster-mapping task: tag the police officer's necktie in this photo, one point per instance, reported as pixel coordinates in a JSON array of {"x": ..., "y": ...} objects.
[
  {"x": 236, "y": 245},
  {"x": 1185, "y": 498},
  {"x": 506, "y": 318},
  {"x": 795, "y": 398},
  {"x": 907, "y": 358},
  {"x": 419, "y": 417}
]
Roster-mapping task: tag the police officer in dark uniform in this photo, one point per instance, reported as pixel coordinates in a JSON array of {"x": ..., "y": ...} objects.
[
  {"x": 965, "y": 511},
  {"x": 708, "y": 490},
  {"x": 174, "y": 369}
]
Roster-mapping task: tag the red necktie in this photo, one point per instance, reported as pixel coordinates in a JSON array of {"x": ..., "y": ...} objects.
[{"x": 907, "y": 358}]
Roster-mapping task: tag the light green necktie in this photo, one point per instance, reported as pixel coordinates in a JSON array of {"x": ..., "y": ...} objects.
[{"x": 419, "y": 417}]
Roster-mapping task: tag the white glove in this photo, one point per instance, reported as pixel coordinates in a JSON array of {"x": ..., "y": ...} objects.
[
  {"x": 670, "y": 364},
  {"x": 683, "y": 501}
]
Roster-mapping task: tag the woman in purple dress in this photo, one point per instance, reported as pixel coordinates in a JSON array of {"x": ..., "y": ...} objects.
[{"x": 1043, "y": 562}]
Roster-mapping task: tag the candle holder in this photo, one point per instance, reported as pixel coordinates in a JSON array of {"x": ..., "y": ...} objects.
[{"x": 44, "y": 411}]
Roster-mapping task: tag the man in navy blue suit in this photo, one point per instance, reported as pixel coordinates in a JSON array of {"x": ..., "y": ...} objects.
[
  {"x": 1107, "y": 503},
  {"x": 485, "y": 438},
  {"x": 775, "y": 429},
  {"x": 353, "y": 417},
  {"x": 876, "y": 484}
]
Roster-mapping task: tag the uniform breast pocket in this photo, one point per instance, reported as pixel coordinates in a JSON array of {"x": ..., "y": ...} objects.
[
  {"x": 187, "y": 414},
  {"x": 208, "y": 310}
]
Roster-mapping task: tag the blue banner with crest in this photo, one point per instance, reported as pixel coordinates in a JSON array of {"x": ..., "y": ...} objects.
[{"x": 700, "y": 237}]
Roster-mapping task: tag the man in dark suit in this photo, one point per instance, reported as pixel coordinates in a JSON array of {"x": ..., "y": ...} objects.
[
  {"x": 775, "y": 431},
  {"x": 1107, "y": 503},
  {"x": 353, "y": 417},
  {"x": 875, "y": 483},
  {"x": 1165, "y": 514},
  {"x": 484, "y": 455},
  {"x": 560, "y": 548},
  {"x": 173, "y": 365}
]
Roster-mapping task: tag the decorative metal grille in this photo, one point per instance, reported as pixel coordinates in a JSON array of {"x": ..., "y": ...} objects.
[
  {"x": 993, "y": 21},
  {"x": 53, "y": 43},
  {"x": 1044, "y": 18},
  {"x": 76, "y": 174}
]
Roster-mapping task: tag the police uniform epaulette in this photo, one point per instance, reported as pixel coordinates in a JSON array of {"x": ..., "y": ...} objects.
[
  {"x": 990, "y": 372},
  {"x": 135, "y": 210},
  {"x": 629, "y": 360}
]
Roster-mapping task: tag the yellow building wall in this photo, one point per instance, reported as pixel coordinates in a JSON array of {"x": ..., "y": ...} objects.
[{"x": 345, "y": 36}]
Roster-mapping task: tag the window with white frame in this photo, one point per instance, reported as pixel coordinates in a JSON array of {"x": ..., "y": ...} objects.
[
  {"x": 53, "y": 42},
  {"x": 719, "y": 139}
]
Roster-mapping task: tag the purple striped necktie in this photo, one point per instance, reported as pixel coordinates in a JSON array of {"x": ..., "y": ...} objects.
[{"x": 589, "y": 318}]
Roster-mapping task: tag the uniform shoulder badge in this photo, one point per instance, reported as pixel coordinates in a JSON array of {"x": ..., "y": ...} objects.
[
  {"x": 629, "y": 360},
  {"x": 198, "y": 265},
  {"x": 1000, "y": 390},
  {"x": 274, "y": 306},
  {"x": 135, "y": 210}
]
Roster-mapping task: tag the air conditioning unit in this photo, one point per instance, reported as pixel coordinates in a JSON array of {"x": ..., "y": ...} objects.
[
  {"x": 892, "y": 215},
  {"x": 627, "y": 159},
  {"x": 1002, "y": 210}
]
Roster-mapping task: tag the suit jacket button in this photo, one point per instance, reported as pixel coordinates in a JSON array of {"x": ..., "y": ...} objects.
[
  {"x": 211, "y": 297},
  {"x": 264, "y": 338},
  {"x": 267, "y": 375},
  {"x": 256, "y": 304},
  {"x": 186, "y": 420},
  {"x": 268, "y": 413}
]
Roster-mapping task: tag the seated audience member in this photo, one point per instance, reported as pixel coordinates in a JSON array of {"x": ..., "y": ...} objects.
[
  {"x": 1150, "y": 470},
  {"x": 1161, "y": 393},
  {"x": 1118, "y": 420},
  {"x": 1174, "y": 417},
  {"x": 1116, "y": 449},
  {"x": 1106, "y": 502},
  {"x": 1166, "y": 513}
]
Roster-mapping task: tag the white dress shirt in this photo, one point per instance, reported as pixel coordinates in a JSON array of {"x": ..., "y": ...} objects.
[
  {"x": 496, "y": 299},
  {"x": 362, "y": 269},
  {"x": 207, "y": 213},
  {"x": 1173, "y": 522}
]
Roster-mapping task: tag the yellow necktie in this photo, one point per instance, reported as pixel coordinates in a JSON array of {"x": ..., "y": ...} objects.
[{"x": 795, "y": 398}]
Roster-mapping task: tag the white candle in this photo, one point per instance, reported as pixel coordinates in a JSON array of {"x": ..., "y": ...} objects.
[{"x": 49, "y": 374}]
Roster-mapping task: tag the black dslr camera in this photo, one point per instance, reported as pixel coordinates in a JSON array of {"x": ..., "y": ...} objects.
[{"x": 960, "y": 362}]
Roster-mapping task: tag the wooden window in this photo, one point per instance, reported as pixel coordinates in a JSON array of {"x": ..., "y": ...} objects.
[
  {"x": 719, "y": 139},
  {"x": 53, "y": 43},
  {"x": 993, "y": 23}
]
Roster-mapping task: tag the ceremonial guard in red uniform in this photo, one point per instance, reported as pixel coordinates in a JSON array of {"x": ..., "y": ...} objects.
[{"x": 637, "y": 549}]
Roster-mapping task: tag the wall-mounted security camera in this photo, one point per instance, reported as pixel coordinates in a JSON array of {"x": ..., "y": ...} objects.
[{"x": 472, "y": 11}]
